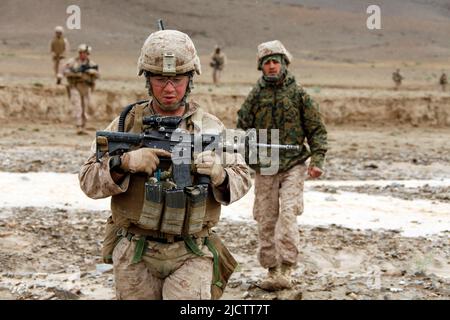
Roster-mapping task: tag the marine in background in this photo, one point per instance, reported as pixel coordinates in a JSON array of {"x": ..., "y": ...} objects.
[
  {"x": 397, "y": 78},
  {"x": 59, "y": 45},
  {"x": 217, "y": 63},
  {"x": 443, "y": 81},
  {"x": 277, "y": 102},
  {"x": 81, "y": 73}
]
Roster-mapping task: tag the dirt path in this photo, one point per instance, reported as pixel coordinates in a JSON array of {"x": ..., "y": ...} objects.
[{"x": 53, "y": 253}]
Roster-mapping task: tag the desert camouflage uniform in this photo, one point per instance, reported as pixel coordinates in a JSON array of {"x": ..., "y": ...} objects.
[
  {"x": 58, "y": 47},
  {"x": 397, "y": 77},
  {"x": 443, "y": 81},
  {"x": 279, "y": 198},
  {"x": 217, "y": 63},
  {"x": 167, "y": 270},
  {"x": 80, "y": 86}
]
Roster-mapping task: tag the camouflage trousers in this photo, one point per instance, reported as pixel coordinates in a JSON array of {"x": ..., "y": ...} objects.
[
  {"x": 278, "y": 202},
  {"x": 216, "y": 75},
  {"x": 166, "y": 271},
  {"x": 57, "y": 67},
  {"x": 80, "y": 95}
]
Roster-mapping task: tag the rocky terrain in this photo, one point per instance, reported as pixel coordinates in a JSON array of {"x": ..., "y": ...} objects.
[{"x": 374, "y": 226}]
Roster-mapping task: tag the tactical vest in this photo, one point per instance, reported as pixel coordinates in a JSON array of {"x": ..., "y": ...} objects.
[
  {"x": 80, "y": 78},
  {"x": 58, "y": 46},
  {"x": 131, "y": 211}
]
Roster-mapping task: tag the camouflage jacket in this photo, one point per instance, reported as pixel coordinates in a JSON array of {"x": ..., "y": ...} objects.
[
  {"x": 74, "y": 73},
  {"x": 287, "y": 107},
  {"x": 217, "y": 61},
  {"x": 96, "y": 181}
]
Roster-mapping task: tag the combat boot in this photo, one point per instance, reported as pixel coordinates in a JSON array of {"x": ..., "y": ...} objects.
[
  {"x": 269, "y": 283},
  {"x": 81, "y": 131},
  {"x": 286, "y": 278},
  {"x": 278, "y": 278}
]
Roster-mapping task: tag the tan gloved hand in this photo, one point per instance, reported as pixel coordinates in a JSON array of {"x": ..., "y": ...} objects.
[
  {"x": 208, "y": 163},
  {"x": 142, "y": 160}
]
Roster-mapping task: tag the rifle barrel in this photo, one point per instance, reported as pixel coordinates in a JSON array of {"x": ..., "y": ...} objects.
[{"x": 278, "y": 146}]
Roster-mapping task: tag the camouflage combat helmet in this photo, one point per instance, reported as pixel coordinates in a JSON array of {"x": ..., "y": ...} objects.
[
  {"x": 271, "y": 48},
  {"x": 84, "y": 48},
  {"x": 168, "y": 52}
]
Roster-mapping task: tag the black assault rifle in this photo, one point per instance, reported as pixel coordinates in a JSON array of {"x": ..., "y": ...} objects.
[
  {"x": 83, "y": 68},
  {"x": 161, "y": 133}
]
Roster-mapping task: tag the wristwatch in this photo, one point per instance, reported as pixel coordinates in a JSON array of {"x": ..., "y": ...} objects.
[{"x": 114, "y": 164}]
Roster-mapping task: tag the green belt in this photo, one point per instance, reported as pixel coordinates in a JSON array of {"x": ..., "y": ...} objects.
[
  {"x": 141, "y": 247},
  {"x": 192, "y": 245}
]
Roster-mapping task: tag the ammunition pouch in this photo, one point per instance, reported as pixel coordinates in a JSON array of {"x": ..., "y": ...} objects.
[
  {"x": 224, "y": 265},
  {"x": 195, "y": 208},
  {"x": 152, "y": 207},
  {"x": 173, "y": 211},
  {"x": 110, "y": 240}
]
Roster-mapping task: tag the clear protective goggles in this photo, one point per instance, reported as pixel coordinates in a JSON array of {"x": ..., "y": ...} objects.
[{"x": 162, "y": 81}]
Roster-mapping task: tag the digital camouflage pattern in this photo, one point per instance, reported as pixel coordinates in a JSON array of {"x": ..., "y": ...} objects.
[
  {"x": 166, "y": 271},
  {"x": 278, "y": 202},
  {"x": 164, "y": 42},
  {"x": 271, "y": 48},
  {"x": 80, "y": 86},
  {"x": 58, "y": 48},
  {"x": 287, "y": 107}
]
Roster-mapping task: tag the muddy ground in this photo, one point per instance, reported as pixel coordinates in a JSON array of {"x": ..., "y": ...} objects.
[
  {"x": 375, "y": 133},
  {"x": 54, "y": 253},
  {"x": 364, "y": 152}
]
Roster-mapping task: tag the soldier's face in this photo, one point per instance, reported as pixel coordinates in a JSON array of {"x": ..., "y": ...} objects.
[
  {"x": 83, "y": 55},
  {"x": 58, "y": 34},
  {"x": 271, "y": 68},
  {"x": 169, "y": 90}
]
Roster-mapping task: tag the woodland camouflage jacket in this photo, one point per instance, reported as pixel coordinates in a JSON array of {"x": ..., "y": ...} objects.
[{"x": 287, "y": 107}]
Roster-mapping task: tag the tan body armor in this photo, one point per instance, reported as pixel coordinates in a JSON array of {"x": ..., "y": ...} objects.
[
  {"x": 87, "y": 78},
  {"x": 127, "y": 208},
  {"x": 58, "y": 47}
]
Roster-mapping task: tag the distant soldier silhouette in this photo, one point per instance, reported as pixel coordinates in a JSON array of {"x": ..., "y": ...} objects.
[
  {"x": 81, "y": 73},
  {"x": 218, "y": 60},
  {"x": 443, "y": 81},
  {"x": 58, "y": 48},
  {"x": 397, "y": 77}
]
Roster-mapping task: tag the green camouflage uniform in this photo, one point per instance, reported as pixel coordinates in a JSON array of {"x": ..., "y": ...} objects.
[
  {"x": 286, "y": 107},
  {"x": 279, "y": 197}
]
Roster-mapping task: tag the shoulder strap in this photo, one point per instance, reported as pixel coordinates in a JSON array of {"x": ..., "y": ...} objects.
[
  {"x": 196, "y": 119},
  {"x": 138, "y": 114}
]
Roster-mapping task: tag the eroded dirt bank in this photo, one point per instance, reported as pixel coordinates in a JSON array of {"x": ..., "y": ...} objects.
[{"x": 339, "y": 106}]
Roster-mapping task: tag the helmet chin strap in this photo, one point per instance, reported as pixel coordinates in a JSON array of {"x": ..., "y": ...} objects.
[{"x": 173, "y": 106}]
